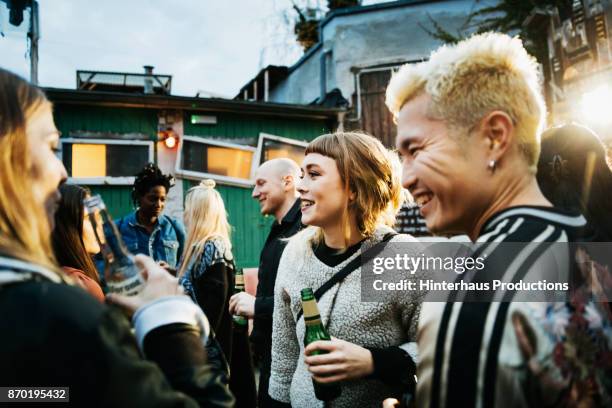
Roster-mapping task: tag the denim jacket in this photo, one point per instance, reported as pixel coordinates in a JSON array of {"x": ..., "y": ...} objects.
[{"x": 165, "y": 243}]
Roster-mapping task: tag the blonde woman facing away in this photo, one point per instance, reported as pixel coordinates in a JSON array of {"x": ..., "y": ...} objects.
[
  {"x": 207, "y": 271},
  {"x": 207, "y": 274},
  {"x": 350, "y": 194}
]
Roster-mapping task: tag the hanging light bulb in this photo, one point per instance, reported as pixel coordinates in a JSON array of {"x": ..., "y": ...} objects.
[{"x": 170, "y": 141}]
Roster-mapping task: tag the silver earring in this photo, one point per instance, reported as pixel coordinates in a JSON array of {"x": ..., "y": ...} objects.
[{"x": 492, "y": 165}]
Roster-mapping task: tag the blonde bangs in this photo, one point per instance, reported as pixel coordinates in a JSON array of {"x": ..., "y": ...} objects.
[{"x": 366, "y": 168}]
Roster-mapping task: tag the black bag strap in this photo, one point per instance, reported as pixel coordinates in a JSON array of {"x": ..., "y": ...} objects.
[{"x": 349, "y": 268}]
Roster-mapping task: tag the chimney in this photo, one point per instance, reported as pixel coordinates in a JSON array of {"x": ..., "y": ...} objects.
[{"x": 148, "y": 81}]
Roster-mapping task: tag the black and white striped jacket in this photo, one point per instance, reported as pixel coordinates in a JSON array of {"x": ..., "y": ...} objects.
[{"x": 469, "y": 356}]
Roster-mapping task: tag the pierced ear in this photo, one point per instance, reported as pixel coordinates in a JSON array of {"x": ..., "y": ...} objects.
[{"x": 499, "y": 129}]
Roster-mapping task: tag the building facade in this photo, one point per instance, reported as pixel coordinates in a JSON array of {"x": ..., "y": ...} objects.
[
  {"x": 107, "y": 137},
  {"x": 358, "y": 49}
]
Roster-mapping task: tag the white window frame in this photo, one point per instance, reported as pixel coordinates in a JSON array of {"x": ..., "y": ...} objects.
[
  {"x": 260, "y": 143},
  {"x": 107, "y": 180},
  {"x": 198, "y": 175}
]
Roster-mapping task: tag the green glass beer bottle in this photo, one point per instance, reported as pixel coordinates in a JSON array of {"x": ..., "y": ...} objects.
[
  {"x": 315, "y": 331},
  {"x": 239, "y": 287}
]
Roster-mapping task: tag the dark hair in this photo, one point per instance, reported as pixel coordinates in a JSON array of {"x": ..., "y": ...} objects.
[
  {"x": 573, "y": 175},
  {"x": 150, "y": 176},
  {"x": 67, "y": 236}
]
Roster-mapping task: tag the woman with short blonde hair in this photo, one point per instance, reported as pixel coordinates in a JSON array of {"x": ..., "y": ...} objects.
[{"x": 349, "y": 194}]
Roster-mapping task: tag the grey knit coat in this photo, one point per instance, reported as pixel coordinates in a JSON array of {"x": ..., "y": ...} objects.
[{"x": 368, "y": 324}]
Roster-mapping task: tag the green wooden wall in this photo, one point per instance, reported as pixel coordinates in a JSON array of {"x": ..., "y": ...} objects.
[
  {"x": 118, "y": 199},
  {"x": 71, "y": 118},
  {"x": 235, "y": 126},
  {"x": 250, "y": 229},
  {"x": 75, "y": 118}
]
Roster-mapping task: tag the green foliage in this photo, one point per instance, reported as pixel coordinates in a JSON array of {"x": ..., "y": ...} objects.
[
  {"x": 507, "y": 16},
  {"x": 306, "y": 27}
]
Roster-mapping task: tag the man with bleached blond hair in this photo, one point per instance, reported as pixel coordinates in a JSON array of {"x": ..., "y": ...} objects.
[{"x": 469, "y": 121}]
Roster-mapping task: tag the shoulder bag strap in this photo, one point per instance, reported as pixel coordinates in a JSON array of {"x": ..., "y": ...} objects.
[{"x": 349, "y": 268}]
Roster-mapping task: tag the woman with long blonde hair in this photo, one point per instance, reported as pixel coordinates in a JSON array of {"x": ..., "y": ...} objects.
[
  {"x": 207, "y": 274},
  {"x": 54, "y": 332},
  {"x": 207, "y": 270},
  {"x": 349, "y": 193}
]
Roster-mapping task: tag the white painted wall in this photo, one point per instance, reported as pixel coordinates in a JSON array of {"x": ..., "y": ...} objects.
[
  {"x": 166, "y": 159},
  {"x": 366, "y": 39}
]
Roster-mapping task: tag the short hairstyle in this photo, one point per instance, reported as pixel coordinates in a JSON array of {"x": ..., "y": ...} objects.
[
  {"x": 285, "y": 166},
  {"x": 150, "y": 176},
  {"x": 366, "y": 168},
  {"x": 474, "y": 77}
]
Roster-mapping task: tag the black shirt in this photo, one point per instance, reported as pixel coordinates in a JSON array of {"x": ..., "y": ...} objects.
[
  {"x": 268, "y": 267},
  {"x": 331, "y": 256}
]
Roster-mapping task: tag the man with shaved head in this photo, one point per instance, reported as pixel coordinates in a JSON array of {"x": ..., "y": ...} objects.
[{"x": 275, "y": 190}]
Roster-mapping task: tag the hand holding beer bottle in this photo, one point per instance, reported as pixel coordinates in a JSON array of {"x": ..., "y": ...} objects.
[
  {"x": 121, "y": 273},
  {"x": 133, "y": 281},
  {"x": 158, "y": 283},
  {"x": 331, "y": 360},
  {"x": 315, "y": 331},
  {"x": 238, "y": 288}
]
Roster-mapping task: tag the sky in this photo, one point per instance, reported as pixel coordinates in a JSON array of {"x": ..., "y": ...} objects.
[{"x": 215, "y": 46}]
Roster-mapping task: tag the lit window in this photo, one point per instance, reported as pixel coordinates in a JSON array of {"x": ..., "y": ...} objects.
[
  {"x": 88, "y": 160},
  {"x": 273, "y": 147},
  {"x": 225, "y": 162},
  {"x": 104, "y": 161}
]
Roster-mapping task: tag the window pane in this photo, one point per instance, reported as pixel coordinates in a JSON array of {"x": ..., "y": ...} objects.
[
  {"x": 194, "y": 156},
  {"x": 67, "y": 157},
  {"x": 125, "y": 160},
  {"x": 224, "y": 161},
  {"x": 230, "y": 162},
  {"x": 104, "y": 160},
  {"x": 273, "y": 149},
  {"x": 88, "y": 160}
]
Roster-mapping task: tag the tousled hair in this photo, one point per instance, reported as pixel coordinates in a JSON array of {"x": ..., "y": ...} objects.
[
  {"x": 150, "y": 176},
  {"x": 24, "y": 226},
  {"x": 467, "y": 81},
  {"x": 367, "y": 169},
  {"x": 206, "y": 218},
  {"x": 573, "y": 175},
  {"x": 67, "y": 236}
]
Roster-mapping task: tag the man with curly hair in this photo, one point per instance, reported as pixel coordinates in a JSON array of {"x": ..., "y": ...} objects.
[{"x": 146, "y": 230}]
